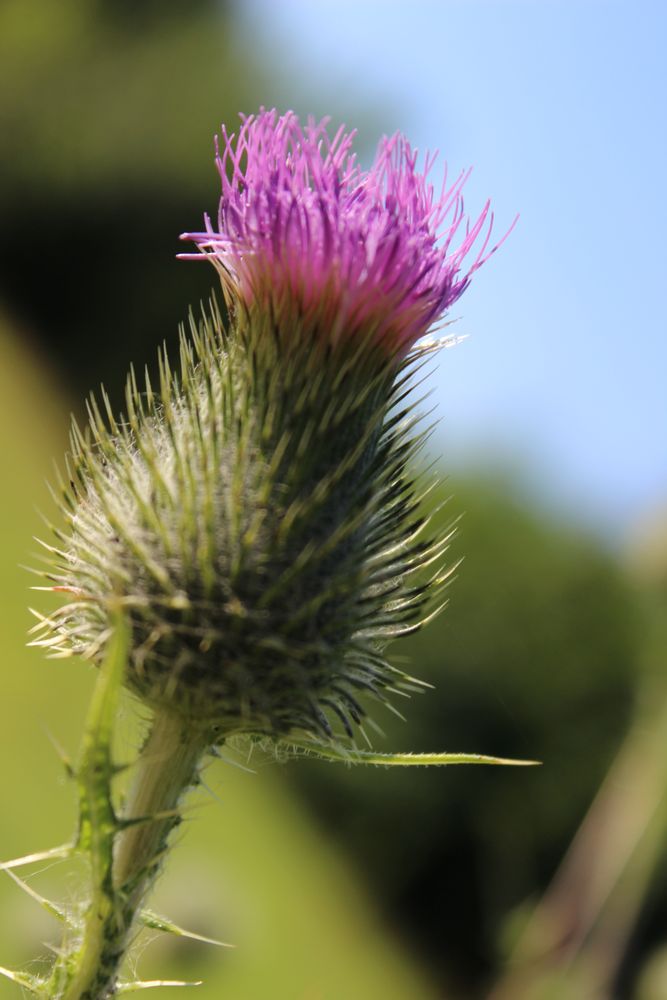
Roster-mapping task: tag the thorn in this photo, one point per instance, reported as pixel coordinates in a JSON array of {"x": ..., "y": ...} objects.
[
  {"x": 158, "y": 923},
  {"x": 392, "y": 708},
  {"x": 64, "y": 759},
  {"x": 50, "y": 907},
  {"x": 376, "y": 727},
  {"x": 40, "y": 618},
  {"x": 120, "y": 768},
  {"x": 215, "y": 752},
  {"x": 24, "y": 980},
  {"x": 58, "y": 952},
  {"x": 149, "y": 984},
  {"x": 210, "y": 791},
  {"x": 56, "y": 852},
  {"x": 365, "y": 734},
  {"x": 123, "y": 823}
]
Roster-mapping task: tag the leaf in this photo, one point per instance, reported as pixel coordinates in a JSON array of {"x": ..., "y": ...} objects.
[{"x": 331, "y": 752}]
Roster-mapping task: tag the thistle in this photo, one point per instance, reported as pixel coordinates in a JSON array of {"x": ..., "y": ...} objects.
[{"x": 243, "y": 543}]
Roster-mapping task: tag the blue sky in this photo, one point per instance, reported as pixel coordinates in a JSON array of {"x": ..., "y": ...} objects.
[{"x": 560, "y": 107}]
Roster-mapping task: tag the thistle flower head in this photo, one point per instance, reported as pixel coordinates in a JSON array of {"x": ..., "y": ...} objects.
[
  {"x": 255, "y": 514},
  {"x": 303, "y": 230}
]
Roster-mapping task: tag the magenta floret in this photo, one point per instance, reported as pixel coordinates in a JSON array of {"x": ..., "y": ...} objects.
[{"x": 303, "y": 229}]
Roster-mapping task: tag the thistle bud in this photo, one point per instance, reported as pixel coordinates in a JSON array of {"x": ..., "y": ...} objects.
[{"x": 254, "y": 512}]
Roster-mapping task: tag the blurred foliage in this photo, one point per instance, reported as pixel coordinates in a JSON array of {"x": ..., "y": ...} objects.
[
  {"x": 108, "y": 111},
  {"x": 536, "y": 656},
  {"x": 105, "y": 92}
]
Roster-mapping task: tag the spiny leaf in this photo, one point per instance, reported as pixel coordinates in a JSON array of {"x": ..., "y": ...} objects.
[
  {"x": 330, "y": 752},
  {"x": 158, "y": 923}
]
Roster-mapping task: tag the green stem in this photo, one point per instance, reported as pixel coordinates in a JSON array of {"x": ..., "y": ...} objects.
[{"x": 166, "y": 768}]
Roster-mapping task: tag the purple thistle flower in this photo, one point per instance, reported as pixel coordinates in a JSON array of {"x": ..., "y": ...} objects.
[{"x": 304, "y": 231}]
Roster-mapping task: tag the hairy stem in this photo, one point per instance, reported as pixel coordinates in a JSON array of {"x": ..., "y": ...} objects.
[{"x": 166, "y": 768}]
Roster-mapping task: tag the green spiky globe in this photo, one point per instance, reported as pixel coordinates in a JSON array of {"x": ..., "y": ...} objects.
[{"x": 256, "y": 520}]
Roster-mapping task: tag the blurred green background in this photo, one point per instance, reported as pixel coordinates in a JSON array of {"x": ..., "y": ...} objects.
[{"x": 333, "y": 884}]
